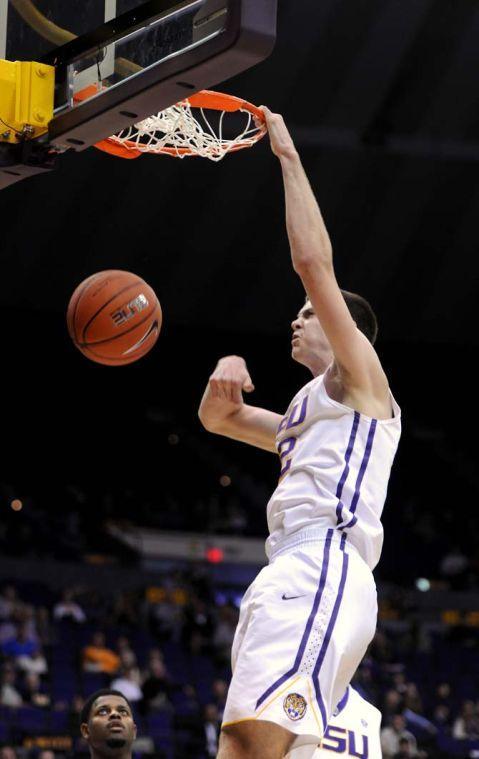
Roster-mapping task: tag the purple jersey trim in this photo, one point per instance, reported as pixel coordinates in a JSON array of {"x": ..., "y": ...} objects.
[
  {"x": 362, "y": 471},
  {"x": 309, "y": 624},
  {"x": 327, "y": 638},
  {"x": 345, "y": 473}
]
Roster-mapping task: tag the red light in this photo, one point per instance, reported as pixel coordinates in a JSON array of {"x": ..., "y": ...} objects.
[{"x": 215, "y": 555}]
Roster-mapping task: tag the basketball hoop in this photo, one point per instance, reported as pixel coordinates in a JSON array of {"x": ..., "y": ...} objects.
[{"x": 185, "y": 129}]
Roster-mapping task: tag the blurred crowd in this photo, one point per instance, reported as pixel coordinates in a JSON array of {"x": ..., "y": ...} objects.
[
  {"x": 427, "y": 688},
  {"x": 123, "y": 643},
  {"x": 167, "y": 649}
]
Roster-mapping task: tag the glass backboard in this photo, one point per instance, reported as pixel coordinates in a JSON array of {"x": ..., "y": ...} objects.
[
  {"x": 119, "y": 61},
  {"x": 145, "y": 34}
]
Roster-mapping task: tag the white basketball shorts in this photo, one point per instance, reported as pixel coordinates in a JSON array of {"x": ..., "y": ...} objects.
[{"x": 304, "y": 626}]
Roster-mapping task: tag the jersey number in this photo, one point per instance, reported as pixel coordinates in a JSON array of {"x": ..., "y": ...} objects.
[
  {"x": 286, "y": 447},
  {"x": 285, "y": 450}
]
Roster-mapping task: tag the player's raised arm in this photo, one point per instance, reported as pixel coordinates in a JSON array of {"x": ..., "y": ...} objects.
[
  {"x": 223, "y": 411},
  {"x": 311, "y": 253}
]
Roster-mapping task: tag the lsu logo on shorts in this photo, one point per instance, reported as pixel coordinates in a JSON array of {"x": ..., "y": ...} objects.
[{"x": 295, "y": 706}]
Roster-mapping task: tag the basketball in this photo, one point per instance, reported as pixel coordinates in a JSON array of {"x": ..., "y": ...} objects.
[{"x": 114, "y": 317}]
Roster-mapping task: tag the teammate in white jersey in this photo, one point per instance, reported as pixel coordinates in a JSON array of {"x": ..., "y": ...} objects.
[
  {"x": 307, "y": 619},
  {"x": 353, "y": 731}
]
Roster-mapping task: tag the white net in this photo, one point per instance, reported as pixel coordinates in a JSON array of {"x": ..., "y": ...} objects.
[{"x": 186, "y": 131}]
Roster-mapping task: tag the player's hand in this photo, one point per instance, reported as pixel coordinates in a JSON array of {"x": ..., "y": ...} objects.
[
  {"x": 230, "y": 379},
  {"x": 281, "y": 141}
]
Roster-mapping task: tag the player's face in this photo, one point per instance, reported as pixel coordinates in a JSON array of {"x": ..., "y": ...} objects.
[
  {"x": 110, "y": 729},
  {"x": 309, "y": 343}
]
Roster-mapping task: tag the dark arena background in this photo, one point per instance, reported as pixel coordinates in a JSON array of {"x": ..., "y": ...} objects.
[{"x": 121, "y": 516}]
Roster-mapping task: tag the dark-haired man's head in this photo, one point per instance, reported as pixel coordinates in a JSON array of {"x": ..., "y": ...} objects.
[
  {"x": 363, "y": 315},
  {"x": 107, "y": 725},
  {"x": 398, "y": 722},
  {"x": 310, "y": 345}
]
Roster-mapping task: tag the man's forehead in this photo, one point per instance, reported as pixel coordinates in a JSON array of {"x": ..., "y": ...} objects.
[
  {"x": 110, "y": 701},
  {"x": 308, "y": 306}
]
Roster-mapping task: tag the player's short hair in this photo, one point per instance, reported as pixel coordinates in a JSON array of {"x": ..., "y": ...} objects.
[
  {"x": 87, "y": 706},
  {"x": 362, "y": 313}
]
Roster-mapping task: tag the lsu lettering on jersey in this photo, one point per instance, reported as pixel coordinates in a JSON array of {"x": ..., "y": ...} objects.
[
  {"x": 335, "y": 468},
  {"x": 353, "y": 731}
]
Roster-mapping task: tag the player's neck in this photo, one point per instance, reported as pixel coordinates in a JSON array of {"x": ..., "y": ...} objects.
[
  {"x": 120, "y": 754},
  {"x": 318, "y": 364}
]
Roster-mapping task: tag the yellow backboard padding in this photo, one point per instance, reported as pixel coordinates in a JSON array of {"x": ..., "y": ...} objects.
[{"x": 26, "y": 99}]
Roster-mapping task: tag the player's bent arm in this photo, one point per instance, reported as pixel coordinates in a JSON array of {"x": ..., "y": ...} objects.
[
  {"x": 249, "y": 424},
  {"x": 223, "y": 411}
]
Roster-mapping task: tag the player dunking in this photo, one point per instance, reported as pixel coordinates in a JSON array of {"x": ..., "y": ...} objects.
[{"x": 307, "y": 619}]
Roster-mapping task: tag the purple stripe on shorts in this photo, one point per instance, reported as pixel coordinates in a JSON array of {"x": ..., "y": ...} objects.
[
  {"x": 362, "y": 471},
  {"x": 342, "y": 703},
  {"x": 309, "y": 624},
  {"x": 327, "y": 638},
  {"x": 345, "y": 473}
]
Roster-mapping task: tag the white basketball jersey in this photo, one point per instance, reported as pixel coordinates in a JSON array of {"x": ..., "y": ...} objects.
[
  {"x": 354, "y": 731},
  {"x": 335, "y": 467}
]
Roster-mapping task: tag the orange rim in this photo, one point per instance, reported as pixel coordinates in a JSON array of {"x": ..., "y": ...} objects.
[
  {"x": 120, "y": 151},
  {"x": 215, "y": 101},
  {"x": 129, "y": 149},
  {"x": 218, "y": 101}
]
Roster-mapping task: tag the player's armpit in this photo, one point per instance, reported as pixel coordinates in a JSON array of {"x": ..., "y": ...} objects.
[{"x": 252, "y": 425}]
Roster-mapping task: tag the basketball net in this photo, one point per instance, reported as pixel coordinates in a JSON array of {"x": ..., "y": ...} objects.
[{"x": 186, "y": 129}]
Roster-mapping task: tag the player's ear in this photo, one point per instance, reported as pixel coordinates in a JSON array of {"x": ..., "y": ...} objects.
[
  {"x": 135, "y": 730},
  {"x": 84, "y": 729}
]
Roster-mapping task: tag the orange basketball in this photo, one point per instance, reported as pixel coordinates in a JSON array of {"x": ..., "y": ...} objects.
[{"x": 114, "y": 317}]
